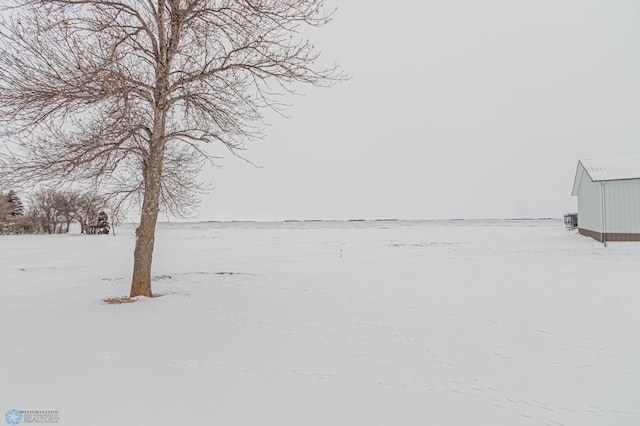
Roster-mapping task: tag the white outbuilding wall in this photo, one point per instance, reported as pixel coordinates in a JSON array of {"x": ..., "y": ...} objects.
[
  {"x": 622, "y": 206},
  {"x": 608, "y": 192},
  {"x": 589, "y": 201}
]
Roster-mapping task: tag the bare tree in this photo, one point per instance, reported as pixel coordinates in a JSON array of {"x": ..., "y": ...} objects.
[
  {"x": 125, "y": 94},
  {"x": 46, "y": 208},
  {"x": 65, "y": 203},
  {"x": 86, "y": 208}
]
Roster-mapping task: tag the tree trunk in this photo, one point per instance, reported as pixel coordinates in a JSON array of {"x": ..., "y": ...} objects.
[{"x": 145, "y": 234}]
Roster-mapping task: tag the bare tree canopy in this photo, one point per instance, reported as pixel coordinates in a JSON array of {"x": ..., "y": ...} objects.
[{"x": 122, "y": 95}]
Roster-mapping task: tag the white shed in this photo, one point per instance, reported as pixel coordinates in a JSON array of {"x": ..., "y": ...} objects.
[{"x": 608, "y": 191}]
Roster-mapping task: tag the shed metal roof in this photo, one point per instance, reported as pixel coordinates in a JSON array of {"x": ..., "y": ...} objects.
[
  {"x": 607, "y": 169},
  {"x": 614, "y": 168}
]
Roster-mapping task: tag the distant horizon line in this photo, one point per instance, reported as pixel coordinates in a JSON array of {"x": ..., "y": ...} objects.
[{"x": 362, "y": 220}]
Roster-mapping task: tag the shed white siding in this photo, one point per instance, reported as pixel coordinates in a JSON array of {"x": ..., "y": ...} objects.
[
  {"x": 608, "y": 194},
  {"x": 589, "y": 204},
  {"x": 622, "y": 206}
]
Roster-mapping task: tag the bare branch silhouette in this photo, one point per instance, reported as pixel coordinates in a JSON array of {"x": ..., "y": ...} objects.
[{"x": 122, "y": 95}]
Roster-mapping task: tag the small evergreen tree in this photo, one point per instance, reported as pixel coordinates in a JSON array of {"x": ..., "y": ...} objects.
[
  {"x": 102, "y": 225},
  {"x": 5, "y": 215},
  {"x": 17, "y": 209}
]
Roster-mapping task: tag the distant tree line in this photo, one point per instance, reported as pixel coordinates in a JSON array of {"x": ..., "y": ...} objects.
[{"x": 52, "y": 212}]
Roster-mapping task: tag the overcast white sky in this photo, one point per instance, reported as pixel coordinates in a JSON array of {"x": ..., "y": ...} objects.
[{"x": 456, "y": 109}]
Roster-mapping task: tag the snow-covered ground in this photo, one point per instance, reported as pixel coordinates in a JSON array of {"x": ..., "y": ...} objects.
[{"x": 356, "y": 323}]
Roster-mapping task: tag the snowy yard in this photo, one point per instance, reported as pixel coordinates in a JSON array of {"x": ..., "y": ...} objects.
[{"x": 356, "y": 323}]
